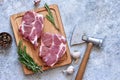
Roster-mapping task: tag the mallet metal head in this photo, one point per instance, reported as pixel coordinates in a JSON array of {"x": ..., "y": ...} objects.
[{"x": 96, "y": 41}]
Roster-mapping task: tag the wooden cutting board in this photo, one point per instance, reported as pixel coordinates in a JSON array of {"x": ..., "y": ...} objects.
[{"x": 48, "y": 27}]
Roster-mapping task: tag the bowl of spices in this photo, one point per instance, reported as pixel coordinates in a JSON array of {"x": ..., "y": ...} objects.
[{"x": 5, "y": 40}]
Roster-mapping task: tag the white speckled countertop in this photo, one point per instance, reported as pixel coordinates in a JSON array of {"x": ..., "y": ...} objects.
[{"x": 104, "y": 64}]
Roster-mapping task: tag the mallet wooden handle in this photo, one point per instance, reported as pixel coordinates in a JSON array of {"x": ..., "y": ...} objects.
[{"x": 83, "y": 64}]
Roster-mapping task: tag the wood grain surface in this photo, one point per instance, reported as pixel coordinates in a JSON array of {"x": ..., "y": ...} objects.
[{"x": 48, "y": 27}]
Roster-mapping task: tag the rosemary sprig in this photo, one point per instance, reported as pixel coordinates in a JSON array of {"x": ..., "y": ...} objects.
[
  {"x": 25, "y": 59},
  {"x": 50, "y": 16}
]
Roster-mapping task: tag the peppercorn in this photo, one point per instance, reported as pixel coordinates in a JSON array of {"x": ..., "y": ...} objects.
[{"x": 5, "y": 39}]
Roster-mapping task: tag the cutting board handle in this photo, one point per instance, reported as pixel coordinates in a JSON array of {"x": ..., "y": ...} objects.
[{"x": 83, "y": 64}]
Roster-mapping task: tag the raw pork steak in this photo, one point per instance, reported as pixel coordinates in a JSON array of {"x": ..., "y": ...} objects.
[
  {"x": 31, "y": 27},
  {"x": 53, "y": 47}
]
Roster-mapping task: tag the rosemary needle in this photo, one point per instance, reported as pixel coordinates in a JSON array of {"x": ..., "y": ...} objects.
[
  {"x": 25, "y": 59},
  {"x": 50, "y": 16}
]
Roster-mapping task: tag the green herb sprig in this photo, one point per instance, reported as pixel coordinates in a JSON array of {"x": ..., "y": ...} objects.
[
  {"x": 25, "y": 59},
  {"x": 50, "y": 16}
]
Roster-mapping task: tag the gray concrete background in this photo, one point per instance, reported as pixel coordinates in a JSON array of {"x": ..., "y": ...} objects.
[{"x": 103, "y": 15}]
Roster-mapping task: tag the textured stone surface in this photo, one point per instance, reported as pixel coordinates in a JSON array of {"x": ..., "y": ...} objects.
[{"x": 104, "y": 15}]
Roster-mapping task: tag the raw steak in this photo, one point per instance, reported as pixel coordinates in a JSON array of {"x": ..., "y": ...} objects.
[
  {"x": 31, "y": 27},
  {"x": 53, "y": 47}
]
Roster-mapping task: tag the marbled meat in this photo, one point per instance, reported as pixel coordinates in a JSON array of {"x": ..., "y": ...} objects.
[
  {"x": 31, "y": 27},
  {"x": 53, "y": 47}
]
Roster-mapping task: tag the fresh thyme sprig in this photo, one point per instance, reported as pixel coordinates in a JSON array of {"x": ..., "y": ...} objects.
[
  {"x": 25, "y": 59},
  {"x": 50, "y": 16}
]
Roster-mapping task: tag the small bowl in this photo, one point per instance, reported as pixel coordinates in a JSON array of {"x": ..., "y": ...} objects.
[{"x": 5, "y": 40}]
